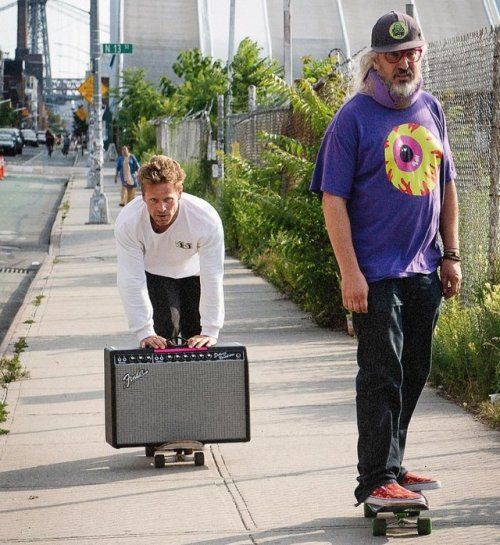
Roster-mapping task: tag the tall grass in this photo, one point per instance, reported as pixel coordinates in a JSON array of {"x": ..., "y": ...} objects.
[{"x": 466, "y": 360}]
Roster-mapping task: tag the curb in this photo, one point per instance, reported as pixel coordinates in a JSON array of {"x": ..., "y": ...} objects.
[{"x": 37, "y": 285}]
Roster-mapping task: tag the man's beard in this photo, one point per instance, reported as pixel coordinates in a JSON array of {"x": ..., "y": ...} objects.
[{"x": 406, "y": 89}]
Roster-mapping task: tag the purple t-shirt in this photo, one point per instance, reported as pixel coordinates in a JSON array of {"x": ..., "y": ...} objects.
[{"x": 391, "y": 166}]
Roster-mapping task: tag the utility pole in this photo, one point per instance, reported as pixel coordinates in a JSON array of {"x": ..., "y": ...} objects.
[
  {"x": 230, "y": 54},
  {"x": 98, "y": 202},
  {"x": 287, "y": 42}
]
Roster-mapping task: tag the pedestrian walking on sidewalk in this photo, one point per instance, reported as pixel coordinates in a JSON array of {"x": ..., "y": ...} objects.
[
  {"x": 49, "y": 141},
  {"x": 170, "y": 248},
  {"x": 386, "y": 176},
  {"x": 127, "y": 166}
]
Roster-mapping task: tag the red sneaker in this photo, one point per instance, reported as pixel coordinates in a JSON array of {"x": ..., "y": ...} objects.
[
  {"x": 414, "y": 482},
  {"x": 394, "y": 494}
]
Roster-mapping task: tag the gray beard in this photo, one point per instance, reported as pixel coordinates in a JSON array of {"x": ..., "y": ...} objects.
[{"x": 403, "y": 90}]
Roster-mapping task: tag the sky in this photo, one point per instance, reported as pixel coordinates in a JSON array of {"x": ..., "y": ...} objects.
[
  {"x": 68, "y": 28},
  {"x": 69, "y": 31}
]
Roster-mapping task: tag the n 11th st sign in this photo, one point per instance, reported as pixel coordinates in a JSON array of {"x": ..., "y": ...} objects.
[{"x": 113, "y": 49}]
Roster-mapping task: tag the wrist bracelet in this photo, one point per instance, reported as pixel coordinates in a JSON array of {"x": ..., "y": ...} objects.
[{"x": 451, "y": 258}]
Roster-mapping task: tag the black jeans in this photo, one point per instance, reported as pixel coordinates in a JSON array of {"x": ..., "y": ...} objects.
[
  {"x": 394, "y": 359},
  {"x": 176, "y": 304}
]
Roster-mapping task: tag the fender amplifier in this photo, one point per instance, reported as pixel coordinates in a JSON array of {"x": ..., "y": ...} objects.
[{"x": 176, "y": 394}]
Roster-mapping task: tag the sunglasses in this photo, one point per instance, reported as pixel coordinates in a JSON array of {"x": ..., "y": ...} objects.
[{"x": 413, "y": 55}]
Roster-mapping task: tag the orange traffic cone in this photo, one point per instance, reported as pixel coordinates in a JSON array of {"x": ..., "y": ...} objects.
[{"x": 2, "y": 167}]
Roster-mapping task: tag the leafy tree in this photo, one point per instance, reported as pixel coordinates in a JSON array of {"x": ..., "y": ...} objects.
[
  {"x": 139, "y": 99},
  {"x": 144, "y": 134},
  {"x": 315, "y": 69},
  {"x": 80, "y": 126},
  {"x": 204, "y": 79},
  {"x": 8, "y": 117},
  {"x": 249, "y": 68}
]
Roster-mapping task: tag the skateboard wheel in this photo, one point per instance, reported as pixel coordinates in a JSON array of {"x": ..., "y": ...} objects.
[
  {"x": 368, "y": 512},
  {"x": 199, "y": 459},
  {"x": 159, "y": 460},
  {"x": 379, "y": 527},
  {"x": 424, "y": 526},
  {"x": 150, "y": 451}
]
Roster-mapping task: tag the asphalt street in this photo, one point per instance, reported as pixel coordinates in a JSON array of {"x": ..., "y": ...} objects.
[{"x": 30, "y": 195}]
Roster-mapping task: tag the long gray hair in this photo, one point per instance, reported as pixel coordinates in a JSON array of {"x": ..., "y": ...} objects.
[{"x": 363, "y": 66}]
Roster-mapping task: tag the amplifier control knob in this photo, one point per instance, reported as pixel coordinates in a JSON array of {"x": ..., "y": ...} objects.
[{"x": 201, "y": 356}]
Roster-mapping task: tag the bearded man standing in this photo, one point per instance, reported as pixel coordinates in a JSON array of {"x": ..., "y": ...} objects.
[{"x": 386, "y": 176}]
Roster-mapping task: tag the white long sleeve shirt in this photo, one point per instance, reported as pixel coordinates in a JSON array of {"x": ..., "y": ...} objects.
[{"x": 193, "y": 245}]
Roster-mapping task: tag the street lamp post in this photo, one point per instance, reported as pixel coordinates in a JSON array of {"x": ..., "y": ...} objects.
[{"x": 98, "y": 212}]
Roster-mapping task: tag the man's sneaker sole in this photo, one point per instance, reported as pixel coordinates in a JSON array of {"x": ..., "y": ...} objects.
[{"x": 434, "y": 485}]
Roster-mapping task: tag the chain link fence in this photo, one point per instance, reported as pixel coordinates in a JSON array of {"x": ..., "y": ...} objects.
[
  {"x": 461, "y": 72},
  {"x": 187, "y": 140},
  {"x": 245, "y": 128}
]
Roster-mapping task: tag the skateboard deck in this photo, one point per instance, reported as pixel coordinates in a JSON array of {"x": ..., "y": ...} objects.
[{"x": 401, "y": 516}]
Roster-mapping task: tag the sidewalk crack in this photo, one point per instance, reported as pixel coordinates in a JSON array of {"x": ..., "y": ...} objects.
[{"x": 233, "y": 490}]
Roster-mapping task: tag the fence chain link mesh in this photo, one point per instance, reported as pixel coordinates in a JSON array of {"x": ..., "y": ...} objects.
[{"x": 460, "y": 73}]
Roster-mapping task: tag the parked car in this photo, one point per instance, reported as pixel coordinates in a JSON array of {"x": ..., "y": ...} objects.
[
  {"x": 40, "y": 136},
  {"x": 7, "y": 144},
  {"x": 29, "y": 136},
  {"x": 16, "y": 135}
]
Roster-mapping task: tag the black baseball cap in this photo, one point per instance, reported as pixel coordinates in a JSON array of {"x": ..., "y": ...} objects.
[{"x": 396, "y": 31}]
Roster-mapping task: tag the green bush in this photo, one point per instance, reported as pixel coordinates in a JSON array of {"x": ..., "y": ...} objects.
[
  {"x": 284, "y": 240},
  {"x": 199, "y": 179},
  {"x": 466, "y": 360}
]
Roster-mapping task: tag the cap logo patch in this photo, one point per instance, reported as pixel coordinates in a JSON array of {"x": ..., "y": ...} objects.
[{"x": 398, "y": 30}]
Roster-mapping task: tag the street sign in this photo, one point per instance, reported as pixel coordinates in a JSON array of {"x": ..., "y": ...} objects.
[
  {"x": 86, "y": 89},
  {"x": 81, "y": 113},
  {"x": 117, "y": 48}
]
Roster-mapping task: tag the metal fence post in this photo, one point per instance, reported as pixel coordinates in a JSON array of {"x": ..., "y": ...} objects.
[
  {"x": 494, "y": 232},
  {"x": 220, "y": 135},
  {"x": 287, "y": 42},
  {"x": 252, "y": 98}
]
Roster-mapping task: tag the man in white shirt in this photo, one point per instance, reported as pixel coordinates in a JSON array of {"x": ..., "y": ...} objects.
[{"x": 170, "y": 249}]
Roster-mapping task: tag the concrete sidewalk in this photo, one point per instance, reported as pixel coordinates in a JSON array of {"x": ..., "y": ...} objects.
[{"x": 60, "y": 482}]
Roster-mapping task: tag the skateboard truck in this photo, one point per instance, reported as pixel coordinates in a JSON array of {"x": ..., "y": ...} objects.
[
  {"x": 403, "y": 516},
  {"x": 179, "y": 450}
]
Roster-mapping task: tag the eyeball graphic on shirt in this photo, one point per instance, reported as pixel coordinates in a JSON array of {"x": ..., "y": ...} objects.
[{"x": 412, "y": 159}]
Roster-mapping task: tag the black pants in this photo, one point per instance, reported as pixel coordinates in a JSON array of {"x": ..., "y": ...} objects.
[
  {"x": 176, "y": 304},
  {"x": 394, "y": 359}
]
